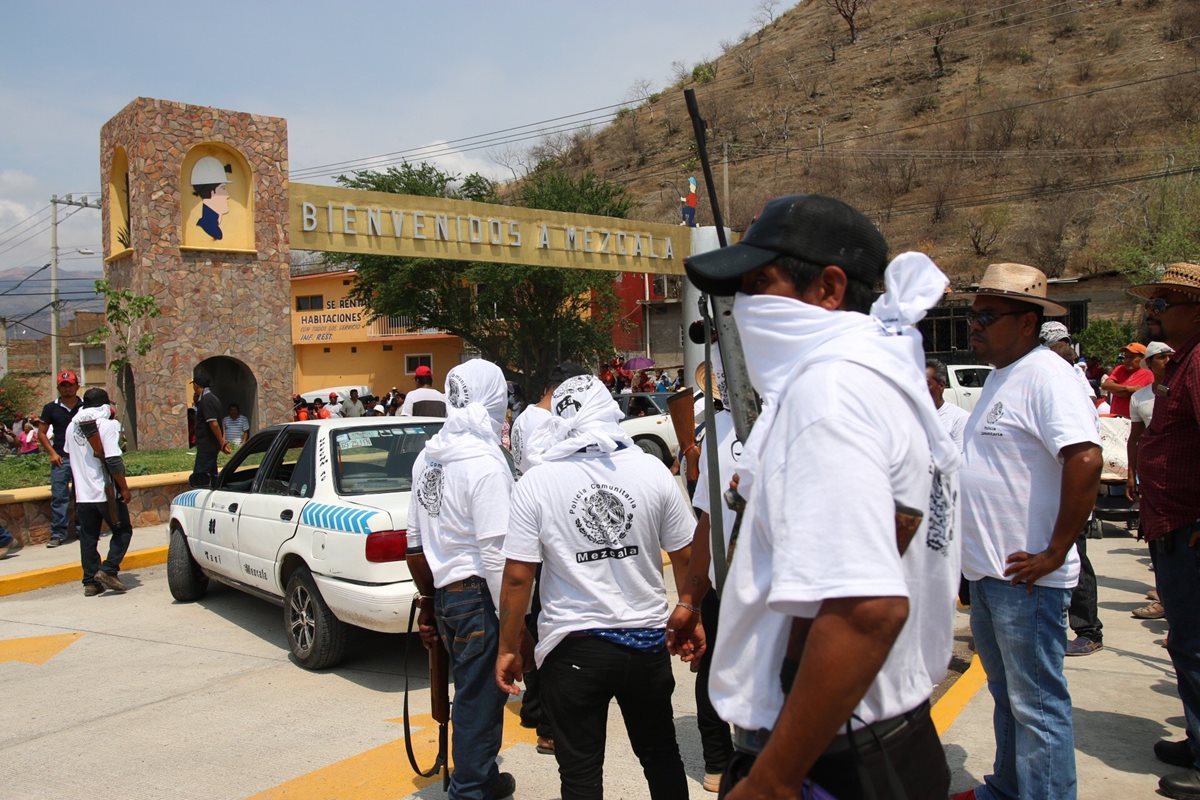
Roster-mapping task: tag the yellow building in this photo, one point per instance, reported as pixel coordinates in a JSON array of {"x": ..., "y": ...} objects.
[{"x": 336, "y": 345}]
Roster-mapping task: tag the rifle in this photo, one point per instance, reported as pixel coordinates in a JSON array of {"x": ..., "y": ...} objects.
[
  {"x": 439, "y": 705},
  {"x": 681, "y": 408},
  {"x": 742, "y": 401}
]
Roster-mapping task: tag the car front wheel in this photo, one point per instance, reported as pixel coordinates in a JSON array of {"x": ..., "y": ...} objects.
[
  {"x": 652, "y": 447},
  {"x": 184, "y": 577},
  {"x": 317, "y": 638}
]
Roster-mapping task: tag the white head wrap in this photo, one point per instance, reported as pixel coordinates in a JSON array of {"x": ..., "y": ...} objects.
[
  {"x": 476, "y": 398},
  {"x": 585, "y": 416}
]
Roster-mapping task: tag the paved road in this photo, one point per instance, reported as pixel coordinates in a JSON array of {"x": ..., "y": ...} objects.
[{"x": 161, "y": 699}]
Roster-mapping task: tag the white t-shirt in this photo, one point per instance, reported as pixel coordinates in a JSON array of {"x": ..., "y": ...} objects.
[
  {"x": 845, "y": 447},
  {"x": 86, "y": 469},
  {"x": 955, "y": 420},
  {"x": 1012, "y": 474},
  {"x": 416, "y": 396},
  {"x": 334, "y": 409},
  {"x": 1141, "y": 405},
  {"x": 727, "y": 458},
  {"x": 597, "y": 524},
  {"x": 457, "y": 514},
  {"x": 522, "y": 431}
]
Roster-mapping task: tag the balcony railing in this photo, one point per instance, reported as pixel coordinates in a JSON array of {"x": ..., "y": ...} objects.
[{"x": 397, "y": 325}]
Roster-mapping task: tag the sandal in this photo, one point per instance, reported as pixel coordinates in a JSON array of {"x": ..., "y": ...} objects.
[{"x": 1152, "y": 611}]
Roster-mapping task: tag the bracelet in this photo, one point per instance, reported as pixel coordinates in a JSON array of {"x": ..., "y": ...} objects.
[{"x": 689, "y": 607}]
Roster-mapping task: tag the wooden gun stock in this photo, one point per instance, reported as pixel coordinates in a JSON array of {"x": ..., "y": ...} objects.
[
  {"x": 681, "y": 407},
  {"x": 439, "y": 683}
]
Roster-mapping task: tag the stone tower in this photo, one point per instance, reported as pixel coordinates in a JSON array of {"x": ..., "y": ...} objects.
[{"x": 195, "y": 213}]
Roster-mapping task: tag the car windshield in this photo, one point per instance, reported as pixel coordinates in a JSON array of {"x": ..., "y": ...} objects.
[{"x": 378, "y": 459}]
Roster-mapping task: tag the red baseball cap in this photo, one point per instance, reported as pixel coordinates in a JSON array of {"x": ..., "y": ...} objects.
[
  {"x": 423, "y": 372},
  {"x": 66, "y": 376},
  {"x": 333, "y": 395}
]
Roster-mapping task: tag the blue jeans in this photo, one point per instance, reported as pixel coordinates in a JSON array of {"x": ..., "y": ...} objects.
[
  {"x": 6, "y": 538},
  {"x": 60, "y": 500},
  {"x": 467, "y": 623},
  {"x": 1021, "y": 638},
  {"x": 1177, "y": 575}
]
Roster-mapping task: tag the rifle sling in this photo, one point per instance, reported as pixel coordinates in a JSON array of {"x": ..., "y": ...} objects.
[{"x": 439, "y": 762}]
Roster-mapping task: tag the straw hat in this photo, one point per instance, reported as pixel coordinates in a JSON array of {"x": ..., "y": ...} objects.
[
  {"x": 1178, "y": 277},
  {"x": 1016, "y": 282},
  {"x": 701, "y": 383}
]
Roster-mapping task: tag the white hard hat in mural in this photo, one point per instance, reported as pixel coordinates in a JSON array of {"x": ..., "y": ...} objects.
[{"x": 208, "y": 170}]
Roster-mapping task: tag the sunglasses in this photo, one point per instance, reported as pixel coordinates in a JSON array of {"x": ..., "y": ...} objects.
[
  {"x": 987, "y": 317},
  {"x": 1158, "y": 305}
]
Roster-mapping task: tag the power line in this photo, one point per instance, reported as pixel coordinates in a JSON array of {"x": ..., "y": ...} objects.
[{"x": 29, "y": 218}]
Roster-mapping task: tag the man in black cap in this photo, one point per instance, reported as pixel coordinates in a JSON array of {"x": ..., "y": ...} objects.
[
  {"x": 837, "y": 618},
  {"x": 93, "y": 442},
  {"x": 210, "y": 438}
]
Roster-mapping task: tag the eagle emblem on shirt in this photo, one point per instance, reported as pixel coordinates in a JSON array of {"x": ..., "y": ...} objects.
[
  {"x": 995, "y": 413},
  {"x": 457, "y": 392},
  {"x": 429, "y": 488},
  {"x": 601, "y": 516}
]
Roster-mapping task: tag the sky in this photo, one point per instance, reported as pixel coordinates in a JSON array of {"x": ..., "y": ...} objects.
[{"x": 352, "y": 79}]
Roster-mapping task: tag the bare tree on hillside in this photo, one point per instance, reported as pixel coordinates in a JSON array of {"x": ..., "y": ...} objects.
[
  {"x": 764, "y": 13},
  {"x": 848, "y": 10},
  {"x": 935, "y": 26}
]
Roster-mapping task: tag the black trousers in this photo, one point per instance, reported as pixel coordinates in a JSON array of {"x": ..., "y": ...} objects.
[
  {"x": 715, "y": 740},
  {"x": 913, "y": 753},
  {"x": 205, "y": 468},
  {"x": 1084, "y": 615},
  {"x": 91, "y": 516},
  {"x": 533, "y": 712},
  {"x": 579, "y": 679}
]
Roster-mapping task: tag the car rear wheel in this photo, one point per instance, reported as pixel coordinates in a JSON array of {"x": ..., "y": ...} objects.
[
  {"x": 184, "y": 577},
  {"x": 317, "y": 638},
  {"x": 653, "y": 446}
]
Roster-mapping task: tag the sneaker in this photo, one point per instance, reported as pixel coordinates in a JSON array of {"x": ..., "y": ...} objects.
[
  {"x": 712, "y": 782},
  {"x": 4, "y": 548},
  {"x": 1152, "y": 611},
  {"x": 92, "y": 589},
  {"x": 1082, "y": 646},
  {"x": 110, "y": 581},
  {"x": 1177, "y": 754},
  {"x": 504, "y": 786},
  {"x": 14, "y": 547},
  {"x": 55, "y": 542}
]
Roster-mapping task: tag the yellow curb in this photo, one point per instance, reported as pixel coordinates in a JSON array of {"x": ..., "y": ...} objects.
[
  {"x": 32, "y": 494},
  {"x": 951, "y": 704},
  {"x": 67, "y": 573}
]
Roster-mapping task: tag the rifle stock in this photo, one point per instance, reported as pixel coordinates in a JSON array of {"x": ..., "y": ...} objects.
[
  {"x": 681, "y": 407},
  {"x": 439, "y": 683}
]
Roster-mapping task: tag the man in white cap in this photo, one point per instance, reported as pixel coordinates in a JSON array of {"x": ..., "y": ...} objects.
[
  {"x": 1168, "y": 464},
  {"x": 837, "y": 613},
  {"x": 209, "y": 180},
  {"x": 595, "y": 514},
  {"x": 1031, "y": 469},
  {"x": 457, "y": 518}
]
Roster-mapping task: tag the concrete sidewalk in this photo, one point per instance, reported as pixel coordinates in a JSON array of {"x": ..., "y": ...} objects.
[
  {"x": 1124, "y": 696},
  {"x": 36, "y": 566}
]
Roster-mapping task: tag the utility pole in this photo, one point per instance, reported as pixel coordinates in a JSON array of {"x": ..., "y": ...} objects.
[
  {"x": 725, "y": 179},
  {"x": 55, "y": 202}
]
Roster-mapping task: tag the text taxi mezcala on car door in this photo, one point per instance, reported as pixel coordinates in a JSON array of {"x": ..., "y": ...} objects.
[{"x": 311, "y": 515}]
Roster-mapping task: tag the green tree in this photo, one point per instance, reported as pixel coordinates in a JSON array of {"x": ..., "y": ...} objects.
[
  {"x": 16, "y": 395},
  {"x": 1105, "y": 338},
  {"x": 525, "y": 319},
  {"x": 1164, "y": 228},
  {"x": 123, "y": 331}
]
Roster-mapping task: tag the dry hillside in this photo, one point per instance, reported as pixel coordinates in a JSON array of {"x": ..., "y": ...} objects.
[{"x": 978, "y": 131}]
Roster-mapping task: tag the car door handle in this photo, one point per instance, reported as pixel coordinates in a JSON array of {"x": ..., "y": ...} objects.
[
  {"x": 233, "y": 507},
  {"x": 285, "y": 515}
]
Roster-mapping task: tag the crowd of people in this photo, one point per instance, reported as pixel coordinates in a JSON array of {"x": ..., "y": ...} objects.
[{"x": 861, "y": 508}]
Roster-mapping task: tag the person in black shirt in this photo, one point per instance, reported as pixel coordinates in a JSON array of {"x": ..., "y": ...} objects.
[
  {"x": 57, "y": 415},
  {"x": 210, "y": 439}
]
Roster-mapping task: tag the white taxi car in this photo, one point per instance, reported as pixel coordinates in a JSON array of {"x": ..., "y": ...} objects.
[{"x": 310, "y": 515}]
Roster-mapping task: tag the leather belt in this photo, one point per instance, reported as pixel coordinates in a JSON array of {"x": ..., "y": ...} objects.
[
  {"x": 472, "y": 582},
  {"x": 753, "y": 742}
]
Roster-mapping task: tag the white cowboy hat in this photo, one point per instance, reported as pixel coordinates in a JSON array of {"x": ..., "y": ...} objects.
[{"x": 1016, "y": 282}]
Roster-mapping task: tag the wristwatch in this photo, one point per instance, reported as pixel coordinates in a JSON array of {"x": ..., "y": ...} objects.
[{"x": 424, "y": 601}]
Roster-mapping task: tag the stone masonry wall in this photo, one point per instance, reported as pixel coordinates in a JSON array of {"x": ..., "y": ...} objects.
[{"x": 213, "y": 303}]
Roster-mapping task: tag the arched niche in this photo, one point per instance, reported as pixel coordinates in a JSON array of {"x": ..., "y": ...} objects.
[
  {"x": 234, "y": 382},
  {"x": 120, "y": 231},
  {"x": 216, "y": 191}
]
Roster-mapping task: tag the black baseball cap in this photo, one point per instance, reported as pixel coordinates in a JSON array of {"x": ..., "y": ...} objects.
[
  {"x": 95, "y": 397},
  {"x": 810, "y": 227},
  {"x": 566, "y": 370}
]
